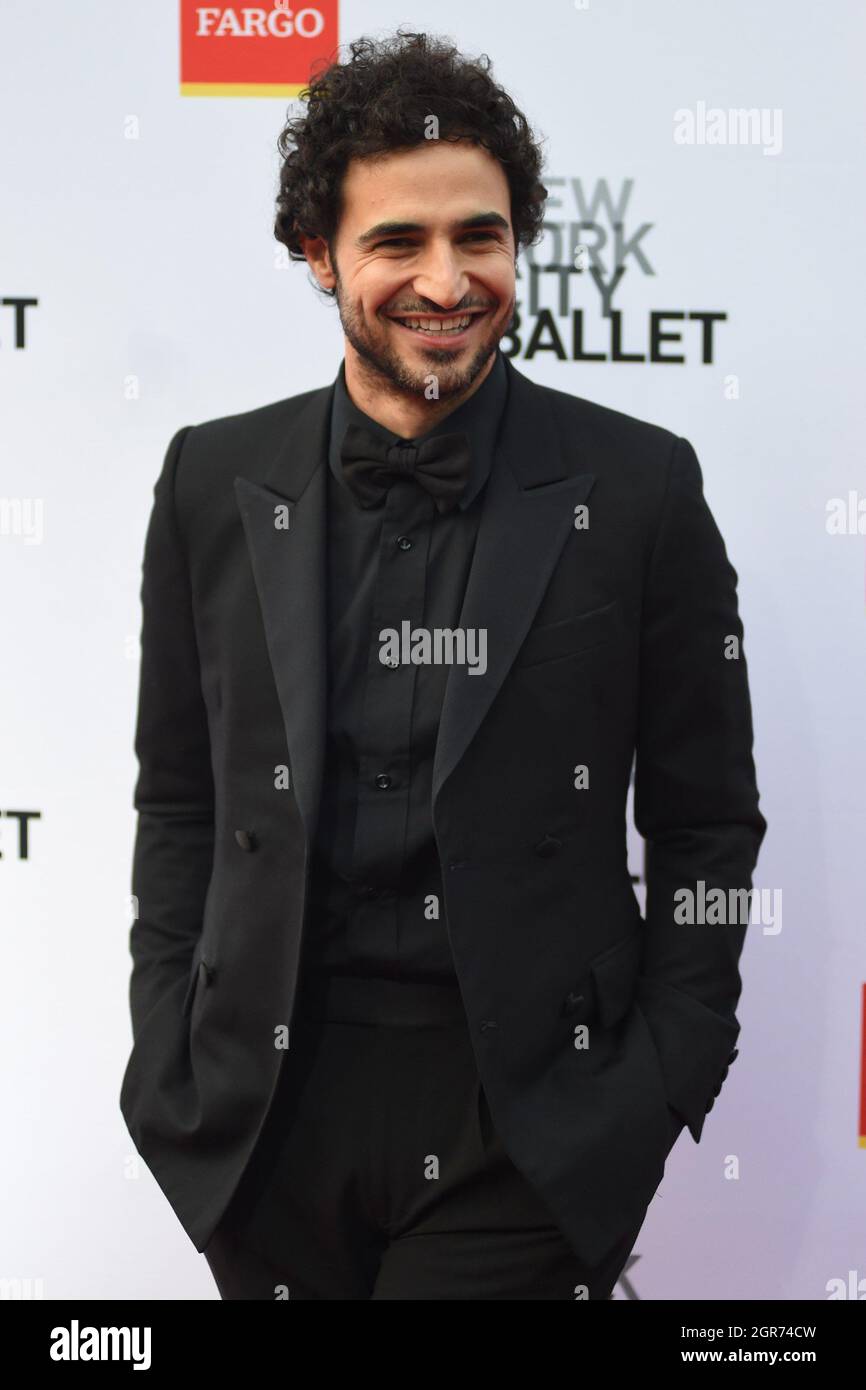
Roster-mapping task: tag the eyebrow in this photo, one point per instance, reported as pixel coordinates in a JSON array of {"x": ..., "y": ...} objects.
[{"x": 382, "y": 229}]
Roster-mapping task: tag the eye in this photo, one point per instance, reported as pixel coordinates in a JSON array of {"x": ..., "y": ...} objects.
[{"x": 406, "y": 241}]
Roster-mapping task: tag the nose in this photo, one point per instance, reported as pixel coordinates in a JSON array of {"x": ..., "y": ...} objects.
[{"x": 440, "y": 278}]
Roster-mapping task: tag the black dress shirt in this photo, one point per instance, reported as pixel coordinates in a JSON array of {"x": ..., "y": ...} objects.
[{"x": 376, "y": 906}]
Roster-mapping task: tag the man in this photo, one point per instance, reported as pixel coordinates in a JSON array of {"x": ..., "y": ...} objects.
[{"x": 400, "y": 1030}]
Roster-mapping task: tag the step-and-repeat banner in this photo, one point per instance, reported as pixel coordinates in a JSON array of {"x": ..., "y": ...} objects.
[{"x": 701, "y": 267}]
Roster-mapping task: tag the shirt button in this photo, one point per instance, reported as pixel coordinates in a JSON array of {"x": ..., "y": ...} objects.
[
  {"x": 405, "y": 543},
  {"x": 383, "y": 781}
]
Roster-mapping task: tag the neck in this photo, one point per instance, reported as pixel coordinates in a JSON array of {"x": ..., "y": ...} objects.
[{"x": 405, "y": 413}]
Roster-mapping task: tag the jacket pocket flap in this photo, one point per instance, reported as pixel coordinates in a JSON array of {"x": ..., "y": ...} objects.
[{"x": 570, "y": 636}]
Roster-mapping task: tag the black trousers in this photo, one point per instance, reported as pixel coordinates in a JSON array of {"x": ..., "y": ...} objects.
[{"x": 379, "y": 1174}]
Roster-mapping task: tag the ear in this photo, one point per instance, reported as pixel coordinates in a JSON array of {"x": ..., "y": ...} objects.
[{"x": 319, "y": 260}]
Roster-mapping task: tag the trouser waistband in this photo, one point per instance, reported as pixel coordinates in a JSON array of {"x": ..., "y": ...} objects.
[{"x": 361, "y": 999}]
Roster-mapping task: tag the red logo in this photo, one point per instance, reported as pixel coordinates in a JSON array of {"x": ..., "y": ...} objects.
[{"x": 254, "y": 50}]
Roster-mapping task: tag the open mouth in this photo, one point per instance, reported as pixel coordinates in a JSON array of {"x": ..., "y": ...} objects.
[{"x": 441, "y": 329}]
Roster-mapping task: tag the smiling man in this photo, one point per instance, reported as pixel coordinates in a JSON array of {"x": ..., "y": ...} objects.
[
  {"x": 400, "y": 1029},
  {"x": 420, "y": 302}
]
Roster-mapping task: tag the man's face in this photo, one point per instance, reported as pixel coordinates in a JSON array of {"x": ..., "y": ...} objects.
[{"x": 428, "y": 265}]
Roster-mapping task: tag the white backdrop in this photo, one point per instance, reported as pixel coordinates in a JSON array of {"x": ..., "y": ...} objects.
[{"x": 140, "y": 220}]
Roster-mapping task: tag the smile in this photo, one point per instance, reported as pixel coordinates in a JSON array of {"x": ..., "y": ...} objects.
[{"x": 454, "y": 327}]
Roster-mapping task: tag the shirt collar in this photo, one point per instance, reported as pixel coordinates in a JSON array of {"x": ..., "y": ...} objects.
[{"x": 479, "y": 416}]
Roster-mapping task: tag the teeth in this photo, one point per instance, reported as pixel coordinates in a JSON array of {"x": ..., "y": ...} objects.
[{"x": 439, "y": 325}]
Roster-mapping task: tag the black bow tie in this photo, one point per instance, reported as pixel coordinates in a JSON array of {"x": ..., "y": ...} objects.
[{"x": 440, "y": 465}]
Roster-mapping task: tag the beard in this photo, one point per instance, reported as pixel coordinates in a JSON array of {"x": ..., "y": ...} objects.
[{"x": 386, "y": 369}]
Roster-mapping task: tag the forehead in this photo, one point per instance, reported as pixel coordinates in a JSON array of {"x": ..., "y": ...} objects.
[{"x": 435, "y": 181}]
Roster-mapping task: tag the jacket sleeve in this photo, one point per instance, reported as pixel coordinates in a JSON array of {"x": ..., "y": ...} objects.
[
  {"x": 173, "y": 852},
  {"x": 696, "y": 799}
]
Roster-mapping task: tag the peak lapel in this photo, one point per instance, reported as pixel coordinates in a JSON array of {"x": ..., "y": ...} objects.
[
  {"x": 528, "y": 511},
  {"x": 290, "y": 576}
]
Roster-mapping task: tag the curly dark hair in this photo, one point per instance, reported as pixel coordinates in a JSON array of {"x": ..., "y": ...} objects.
[{"x": 378, "y": 101}]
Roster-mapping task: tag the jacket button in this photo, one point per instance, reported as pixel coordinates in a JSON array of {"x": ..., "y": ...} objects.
[
  {"x": 246, "y": 839},
  {"x": 548, "y": 846},
  {"x": 487, "y": 1024}
]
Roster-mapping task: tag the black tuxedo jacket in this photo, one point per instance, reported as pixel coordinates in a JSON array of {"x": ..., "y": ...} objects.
[{"x": 606, "y": 642}]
